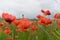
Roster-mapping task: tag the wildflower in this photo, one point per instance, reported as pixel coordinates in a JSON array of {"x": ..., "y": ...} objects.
[
  {"x": 42, "y": 11},
  {"x": 34, "y": 28},
  {"x": 47, "y": 12},
  {"x": 8, "y": 18},
  {"x": 7, "y": 31},
  {"x": 16, "y": 22},
  {"x": 25, "y": 30},
  {"x": 20, "y": 26},
  {"x": 45, "y": 21},
  {"x": 1, "y": 24},
  {"x": 39, "y": 16},
  {"x": 58, "y": 23},
  {"x": 57, "y": 16},
  {"x": 24, "y": 24},
  {"x": 40, "y": 22}
]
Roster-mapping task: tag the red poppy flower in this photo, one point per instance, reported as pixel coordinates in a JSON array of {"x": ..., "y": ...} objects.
[
  {"x": 7, "y": 31},
  {"x": 39, "y": 16},
  {"x": 40, "y": 22},
  {"x": 57, "y": 16},
  {"x": 8, "y": 18},
  {"x": 16, "y": 22},
  {"x": 45, "y": 21},
  {"x": 42, "y": 11},
  {"x": 34, "y": 28},
  {"x": 47, "y": 12},
  {"x": 24, "y": 23},
  {"x": 58, "y": 21},
  {"x": 20, "y": 26},
  {"x": 1, "y": 24},
  {"x": 25, "y": 30}
]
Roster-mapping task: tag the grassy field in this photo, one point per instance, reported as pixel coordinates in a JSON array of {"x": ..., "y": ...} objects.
[{"x": 44, "y": 32}]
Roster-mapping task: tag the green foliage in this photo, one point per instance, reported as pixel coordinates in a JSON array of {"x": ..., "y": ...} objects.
[{"x": 3, "y": 36}]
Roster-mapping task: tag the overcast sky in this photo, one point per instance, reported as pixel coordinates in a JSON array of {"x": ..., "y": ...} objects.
[{"x": 30, "y": 8}]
